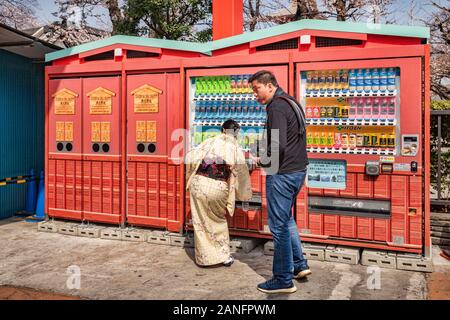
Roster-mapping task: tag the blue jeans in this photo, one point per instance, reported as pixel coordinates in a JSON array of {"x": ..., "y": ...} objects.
[{"x": 282, "y": 191}]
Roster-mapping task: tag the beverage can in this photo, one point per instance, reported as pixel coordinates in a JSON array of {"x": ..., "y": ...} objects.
[
  {"x": 352, "y": 111},
  {"x": 337, "y": 140},
  {"x": 391, "y": 141},
  {"x": 383, "y": 140},
  {"x": 343, "y": 81},
  {"x": 360, "y": 109},
  {"x": 374, "y": 140},
  {"x": 345, "y": 111},
  {"x": 383, "y": 108},
  {"x": 344, "y": 140},
  {"x": 336, "y": 112},
  {"x": 359, "y": 140},
  {"x": 366, "y": 140},
  {"x": 352, "y": 140}
]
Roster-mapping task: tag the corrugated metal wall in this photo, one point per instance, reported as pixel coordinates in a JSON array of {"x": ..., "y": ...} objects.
[{"x": 21, "y": 126}]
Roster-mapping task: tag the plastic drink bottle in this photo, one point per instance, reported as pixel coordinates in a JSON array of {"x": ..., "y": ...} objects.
[
  {"x": 330, "y": 82},
  {"x": 384, "y": 108},
  {"x": 352, "y": 80},
  {"x": 240, "y": 85},
  {"x": 343, "y": 81},
  {"x": 383, "y": 79},
  {"x": 391, "y": 79},
  {"x": 367, "y": 80},
  {"x": 368, "y": 108},
  {"x": 376, "y": 108},
  {"x": 391, "y": 108},
  {"x": 352, "y": 111},
  {"x": 308, "y": 82},
  {"x": 360, "y": 109},
  {"x": 322, "y": 82},
  {"x": 330, "y": 139},
  {"x": 360, "y": 80},
  {"x": 344, "y": 140},
  {"x": 233, "y": 85},
  {"x": 316, "y": 112},
  {"x": 315, "y": 82},
  {"x": 375, "y": 80},
  {"x": 309, "y": 112},
  {"x": 309, "y": 139}
]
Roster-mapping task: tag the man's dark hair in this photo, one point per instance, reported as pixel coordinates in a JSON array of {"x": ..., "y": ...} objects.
[
  {"x": 264, "y": 77},
  {"x": 231, "y": 125}
]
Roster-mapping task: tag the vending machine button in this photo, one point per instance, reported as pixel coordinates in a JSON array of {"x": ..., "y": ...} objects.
[
  {"x": 96, "y": 147},
  {"x": 151, "y": 148},
  {"x": 60, "y": 146},
  {"x": 140, "y": 147},
  {"x": 105, "y": 147},
  {"x": 413, "y": 166},
  {"x": 69, "y": 146}
]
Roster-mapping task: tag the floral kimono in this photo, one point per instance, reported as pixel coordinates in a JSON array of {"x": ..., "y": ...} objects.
[{"x": 211, "y": 199}]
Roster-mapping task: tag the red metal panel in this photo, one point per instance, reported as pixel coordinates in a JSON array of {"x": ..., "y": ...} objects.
[
  {"x": 364, "y": 186},
  {"x": 382, "y": 187},
  {"x": 154, "y": 185}
]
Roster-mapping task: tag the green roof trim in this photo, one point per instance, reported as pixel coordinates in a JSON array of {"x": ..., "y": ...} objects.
[
  {"x": 207, "y": 48},
  {"x": 130, "y": 40}
]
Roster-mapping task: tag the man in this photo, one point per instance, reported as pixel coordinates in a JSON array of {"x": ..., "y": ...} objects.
[{"x": 286, "y": 149}]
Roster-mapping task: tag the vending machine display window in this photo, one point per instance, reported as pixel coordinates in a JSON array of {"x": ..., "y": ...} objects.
[{"x": 352, "y": 111}]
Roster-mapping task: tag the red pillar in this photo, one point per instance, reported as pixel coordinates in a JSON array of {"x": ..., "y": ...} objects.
[{"x": 228, "y": 18}]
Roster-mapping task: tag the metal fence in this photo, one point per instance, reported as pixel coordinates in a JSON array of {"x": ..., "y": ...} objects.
[{"x": 440, "y": 157}]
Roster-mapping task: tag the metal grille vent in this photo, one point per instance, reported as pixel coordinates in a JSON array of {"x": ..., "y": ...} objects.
[
  {"x": 280, "y": 45},
  {"x": 109, "y": 55},
  {"x": 133, "y": 54},
  {"x": 336, "y": 42}
]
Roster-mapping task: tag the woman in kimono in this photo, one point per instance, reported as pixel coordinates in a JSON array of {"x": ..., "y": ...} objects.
[{"x": 217, "y": 175}]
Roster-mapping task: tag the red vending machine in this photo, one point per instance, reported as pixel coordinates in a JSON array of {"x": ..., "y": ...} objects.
[
  {"x": 364, "y": 137},
  {"x": 218, "y": 94}
]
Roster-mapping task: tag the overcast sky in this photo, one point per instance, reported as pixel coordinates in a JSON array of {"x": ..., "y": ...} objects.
[{"x": 400, "y": 10}]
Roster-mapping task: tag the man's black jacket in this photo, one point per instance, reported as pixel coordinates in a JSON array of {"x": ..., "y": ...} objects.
[{"x": 290, "y": 145}]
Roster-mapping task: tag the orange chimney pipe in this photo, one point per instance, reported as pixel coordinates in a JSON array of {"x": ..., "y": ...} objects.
[{"x": 228, "y": 19}]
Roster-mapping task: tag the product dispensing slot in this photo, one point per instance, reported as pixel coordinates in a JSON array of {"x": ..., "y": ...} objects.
[
  {"x": 255, "y": 202},
  {"x": 350, "y": 207}
]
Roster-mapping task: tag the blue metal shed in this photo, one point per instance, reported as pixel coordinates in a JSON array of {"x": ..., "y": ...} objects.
[{"x": 21, "y": 112}]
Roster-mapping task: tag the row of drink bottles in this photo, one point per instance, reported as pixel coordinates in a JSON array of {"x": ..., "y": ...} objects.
[
  {"x": 223, "y": 85},
  {"x": 357, "y": 108},
  {"x": 222, "y": 110},
  {"x": 350, "y": 140},
  {"x": 354, "y": 80}
]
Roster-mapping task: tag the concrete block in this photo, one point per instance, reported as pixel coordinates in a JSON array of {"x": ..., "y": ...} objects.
[
  {"x": 243, "y": 244},
  {"x": 414, "y": 262},
  {"x": 313, "y": 251},
  {"x": 383, "y": 259},
  {"x": 111, "y": 234},
  {"x": 68, "y": 228},
  {"x": 268, "y": 248},
  {"x": 88, "y": 231},
  {"x": 48, "y": 226},
  {"x": 135, "y": 235},
  {"x": 158, "y": 237},
  {"x": 178, "y": 240},
  {"x": 342, "y": 254}
]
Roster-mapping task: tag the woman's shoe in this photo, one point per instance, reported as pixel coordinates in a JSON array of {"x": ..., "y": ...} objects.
[{"x": 229, "y": 261}]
